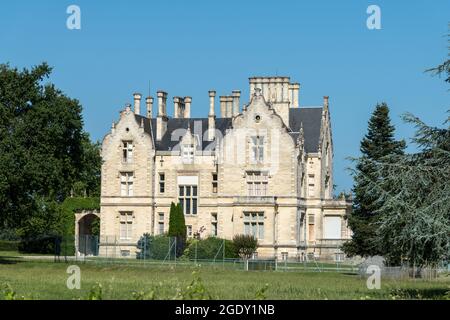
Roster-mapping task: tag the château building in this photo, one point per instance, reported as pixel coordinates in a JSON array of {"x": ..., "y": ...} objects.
[{"x": 264, "y": 168}]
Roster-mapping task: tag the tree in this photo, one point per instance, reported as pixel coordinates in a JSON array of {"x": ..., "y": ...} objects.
[
  {"x": 177, "y": 227},
  {"x": 245, "y": 245},
  {"x": 414, "y": 202},
  {"x": 379, "y": 142},
  {"x": 43, "y": 148}
]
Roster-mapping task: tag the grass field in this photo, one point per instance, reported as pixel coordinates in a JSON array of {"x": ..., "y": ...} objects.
[{"x": 47, "y": 280}]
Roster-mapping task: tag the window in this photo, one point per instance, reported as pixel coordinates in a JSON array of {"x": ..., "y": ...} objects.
[
  {"x": 257, "y": 183},
  {"x": 161, "y": 223},
  {"x": 311, "y": 227},
  {"x": 126, "y": 184},
  {"x": 214, "y": 182},
  {"x": 188, "y": 153},
  {"x": 125, "y": 253},
  {"x": 126, "y": 223},
  {"x": 254, "y": 224},
  {"x": 187, "y": 197},
  {"x": 189, "y": 230},
  {"x": 162, "y": 182},
  {"x": 214, "y": 224},
  {"x": 257, "y": 151},
  {"x": 311, "y": 185},
  {"x": 284, "y": 256},
  {"x": 127, "y": 151}
]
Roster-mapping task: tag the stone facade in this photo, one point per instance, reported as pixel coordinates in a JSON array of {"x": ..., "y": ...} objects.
[{"x": 263, "y": 169}]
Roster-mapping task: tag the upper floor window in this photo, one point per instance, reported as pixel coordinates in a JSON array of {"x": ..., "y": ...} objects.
[
  {"x": 127, "y": 151},
  {"x": 257, "y": 183},
  {"x": 188, "y": 153},
  {"x": 214, "y": 182},
  {"x": 257, "y": 149},
  {"x": 162, "y": 183},
  {"x": 126, "y": 184},
  {"x": 311, "y": 185},
  {"x": 187, "y": 196}
]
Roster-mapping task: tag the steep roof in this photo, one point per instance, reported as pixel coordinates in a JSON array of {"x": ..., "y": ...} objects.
[
  {"x": 311, "y": 118},
  {"x": 171, "y": 138}
]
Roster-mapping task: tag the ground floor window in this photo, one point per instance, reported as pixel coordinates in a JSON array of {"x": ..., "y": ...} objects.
[
  {"x": 254, "y": 224},
  {"x": 214, "y": 224},
  {"x": 126, "y": 224}
]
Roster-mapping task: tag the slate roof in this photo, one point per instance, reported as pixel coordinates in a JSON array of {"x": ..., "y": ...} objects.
[
  {"x": 312, "y": 120},
  {"x": 310, "y": 117}
]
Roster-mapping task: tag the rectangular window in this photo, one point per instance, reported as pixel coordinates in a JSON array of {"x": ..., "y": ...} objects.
[
  {"x": 214, "y": 224},
  {"x": 126, "y": 224},
  {"x": 311, "y": 185},
  {"x": 188, "y": 153},
  {"x": 214, "y": 183},
  {"x": 189, "y": 230},
  {"x": 161, "y": 223},
  {"x": 162, "y": 183},
  {"x": 311, "y": 227},
  {"x": 257, "y": 183},
  {"x": 254, "y": 224},
  {"x": 187, "y": 197},
  {"x": 126, "y": 184},
  {"x": 257, "y": 149},
  {"x": 127, "y": 151},
  {"x": 284, "y": 256}
]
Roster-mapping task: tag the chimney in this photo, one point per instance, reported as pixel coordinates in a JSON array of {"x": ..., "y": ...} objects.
[
  {"x": 223, "y": 106},
  {"x": 325, "y": 102},
  {"x": 162, "y": 103},
  {"x": 137, "y": 103},
  {"x": 212, "y": 95},
  {"x": 161, "y": 120},
  {"x": 294, "y": 88},
  {"x": 177, "y": 112},
  {"x": 211, "y": 116},
  {"x": 236, "y": 97},
  {"x": 187, "y": 107},
  {"x": 149, "y": 104}
]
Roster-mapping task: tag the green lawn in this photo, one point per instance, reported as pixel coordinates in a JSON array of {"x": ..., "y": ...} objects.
[{"x": 47, "y": 280}]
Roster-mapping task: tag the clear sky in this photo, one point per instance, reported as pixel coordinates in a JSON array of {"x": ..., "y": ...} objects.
[{"x": 190, "y": 47}]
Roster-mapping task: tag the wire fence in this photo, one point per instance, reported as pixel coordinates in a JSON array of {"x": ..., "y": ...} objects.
[{"x": 215, "y": 252}]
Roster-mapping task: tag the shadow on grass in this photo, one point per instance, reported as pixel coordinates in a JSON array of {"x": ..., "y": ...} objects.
[
  {"x": 9, "y": 260},
  {"x": 425, "y": 293}
]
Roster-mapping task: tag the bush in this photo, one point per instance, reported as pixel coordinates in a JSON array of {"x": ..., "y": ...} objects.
[
  {"x": 9, "y": 245},
  {"x": 154, "y": 247},
  {"x": 245, "y": 245},
  {"x": 211, "y": 248}
]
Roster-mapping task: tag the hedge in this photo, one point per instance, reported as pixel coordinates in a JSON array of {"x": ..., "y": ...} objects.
[{"x": 9, "y": 245}]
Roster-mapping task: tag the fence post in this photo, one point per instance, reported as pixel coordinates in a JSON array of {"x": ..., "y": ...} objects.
[
  {"x": 223, "y": 257},
  {"x": 176, "y": 251},
  {"x": 195, "y": 259}
]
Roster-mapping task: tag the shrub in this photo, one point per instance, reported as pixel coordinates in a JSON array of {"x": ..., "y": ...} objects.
[
  {"x": 245, "y": 245},
  {"x": 154, "y": 247},
  {"x": 177, "y": 227},
  {"x": 211, "y": 248},
  {"x": 9, "y": 245}
]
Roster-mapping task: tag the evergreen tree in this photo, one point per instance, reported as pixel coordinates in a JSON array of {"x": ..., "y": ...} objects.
[
  {"x": 177, "y": 227},
  {"x": 378, "y": 143}
]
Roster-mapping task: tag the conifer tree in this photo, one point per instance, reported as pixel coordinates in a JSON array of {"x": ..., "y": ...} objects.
[{"x": 378, "y": 143}]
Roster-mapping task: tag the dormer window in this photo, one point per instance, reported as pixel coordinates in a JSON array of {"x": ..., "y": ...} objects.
[
  {"x": 187, "y": 153},
  {"x": 127, "y": 151}
]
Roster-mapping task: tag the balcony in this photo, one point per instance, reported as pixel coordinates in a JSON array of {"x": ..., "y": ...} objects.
[{"x": 254, "y": 200}]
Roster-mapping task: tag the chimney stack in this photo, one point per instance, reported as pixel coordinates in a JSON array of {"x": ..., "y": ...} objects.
[
  {"x": 187, "y": 107},
  {"x": 149, "y": 103},
  {"x": 236, "y": 96},
  {"x": 177, "y": 104},
  {"x": 325, "y": 102},
  {"x": 161, "y": 120},
  {"x": 294, "y": 93},
  {"x": 211, "y": 116},
  {"x": 137, "y": 103},
  {"x": 162, "y": 103},
  {"x": 223, "y": 106},
  {"x": 212, "y": 95}
]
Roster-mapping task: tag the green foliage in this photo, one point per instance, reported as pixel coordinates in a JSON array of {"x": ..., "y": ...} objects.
[
  {"x": 194, "y": 291},
  {"x": 9, "y": 293},
  {"x": 43, "y": 151},
  {"x": 261, "y": 293},
  {"x": 6, "y": 245},
  {"x": 210, "y": 248},
  {"x": 177, "y": 227},
  {"x": 245, "y": 245},
  {"x": 379, "y": 142},
  {"x": 154, "y": 247},
  {"x": 96, "y": 292}
]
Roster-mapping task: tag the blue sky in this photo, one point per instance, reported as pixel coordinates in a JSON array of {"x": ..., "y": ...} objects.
[{"x": 190, "y": 47}]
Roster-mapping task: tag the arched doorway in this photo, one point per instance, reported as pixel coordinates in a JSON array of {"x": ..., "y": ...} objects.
[{"x": 87, "y": 233}]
